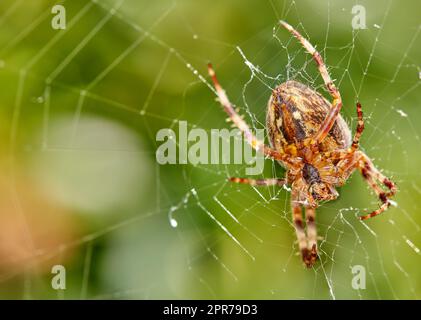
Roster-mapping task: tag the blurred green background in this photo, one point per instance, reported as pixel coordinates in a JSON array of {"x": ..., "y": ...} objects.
[{"x": 81, "y": 187}]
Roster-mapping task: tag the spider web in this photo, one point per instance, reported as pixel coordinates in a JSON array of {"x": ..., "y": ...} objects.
[{"x": 84, "y": 115}]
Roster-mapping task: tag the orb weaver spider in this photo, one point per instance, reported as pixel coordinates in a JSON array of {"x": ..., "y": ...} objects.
[{"x": 311, "y": 140}]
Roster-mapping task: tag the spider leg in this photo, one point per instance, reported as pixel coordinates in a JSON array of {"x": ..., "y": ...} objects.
[
  {"x": 371, "y": 174},
  {"x": 360, "y": 128},
  {"x": 259, "y": 182},
  {"x": 242, "y": 125},
  {"x": 306, "y": 243},
  {"x": 311, "y": 233},
  {"x": 297, "y": 218},
  {"x": 379, "y": 192},
  {"x": 351, "y": 160},
  {"x": 385, "y": 181},
  {"x": 333, "y": 91}
]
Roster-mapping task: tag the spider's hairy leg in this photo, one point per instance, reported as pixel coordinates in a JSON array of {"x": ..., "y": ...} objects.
[
  {"x": 311, "y": 233},
  {"x": 385, "y": 201},
  {"x": 358, "y": 160},
  {"x": 297, "y": 218},
  {"x": 360, "y": 128},
  {"x": 306, "y": 243},
  {"x": 259, "y": 182},
  {"x": 333, "y": 91},
  {"x": 242, "y": 125},
  {"x": 371, "y": 174}
]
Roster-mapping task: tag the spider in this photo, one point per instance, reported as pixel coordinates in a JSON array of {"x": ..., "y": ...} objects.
[{"x": 311, "y": 140}]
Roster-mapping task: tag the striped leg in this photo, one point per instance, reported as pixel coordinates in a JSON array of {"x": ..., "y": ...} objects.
[
  {"x": 297, "y": 218},
  {"x": 356, "y": 159},
  {"x": 307, "y": 244},
  {"x": 381, "y": 178},
  {"x": 371, "y": 174},
  {"x": 311, "y": 235},
  {"x": 242, "y": 125},
  {"x": 259, "y": 182},
  {"x": 337, "y": 100},
  {"x": 360, "y": 128}
]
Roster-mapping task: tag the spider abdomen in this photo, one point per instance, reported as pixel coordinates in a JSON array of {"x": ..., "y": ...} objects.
[{"x": 295, "y": 113}]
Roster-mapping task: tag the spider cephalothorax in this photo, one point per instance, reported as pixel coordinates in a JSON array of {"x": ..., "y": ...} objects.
[{"x": 312, "y": 141}]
